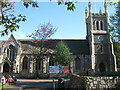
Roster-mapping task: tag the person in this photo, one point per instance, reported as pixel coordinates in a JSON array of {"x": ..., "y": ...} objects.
[
  {"x": 3, "y": 79},
  {"x": 15, "y": 79},
  {"x": 10, "y": 79}
]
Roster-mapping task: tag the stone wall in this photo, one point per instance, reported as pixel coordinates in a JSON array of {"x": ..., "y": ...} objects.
[
  {"x": 95, "y": 82},
  {"x": 101, "y": 82}
]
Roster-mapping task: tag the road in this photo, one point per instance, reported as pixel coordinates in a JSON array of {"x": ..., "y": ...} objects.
[{"x": 39, "y": 84}]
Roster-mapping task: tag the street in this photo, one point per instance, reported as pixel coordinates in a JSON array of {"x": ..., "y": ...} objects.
[{"x": 39, "y": 84}]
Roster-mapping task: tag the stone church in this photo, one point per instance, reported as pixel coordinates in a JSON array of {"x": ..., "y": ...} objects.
[{"x": 95, "y": 53}]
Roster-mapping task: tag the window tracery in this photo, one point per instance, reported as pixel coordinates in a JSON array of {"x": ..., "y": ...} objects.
[
  {"x": 25, "y": 63},
  {"x": 11, "y": 52}
]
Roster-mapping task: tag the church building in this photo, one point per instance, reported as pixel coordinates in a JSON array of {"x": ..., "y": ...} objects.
[{"x": 93, "y": 54}]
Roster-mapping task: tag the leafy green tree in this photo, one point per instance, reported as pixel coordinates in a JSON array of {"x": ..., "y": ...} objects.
[
  {"x": 8, "y": 20},
  {"x": 117, "y": 52},
  {"x": 115, "y": 25},
  {"x": 115, "y": 32},
  {"x": 63, "y": 55},
  {"x": 111, "y": 2},
  {"x": 70, "y": 5}
]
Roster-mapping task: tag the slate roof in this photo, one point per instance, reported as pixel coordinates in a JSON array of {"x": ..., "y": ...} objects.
[{"x": 76, "y": 46}]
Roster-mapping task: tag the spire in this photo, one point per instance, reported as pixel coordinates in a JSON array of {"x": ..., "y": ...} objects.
[
  {"x": 106, "y": 9},
  {"x": 100, "y": 12},
  {"x": 86, "y": 12},
  {"x": 90, "y": 8}
]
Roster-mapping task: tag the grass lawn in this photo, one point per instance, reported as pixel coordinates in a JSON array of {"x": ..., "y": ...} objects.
[{"x": 5, "y": 86}]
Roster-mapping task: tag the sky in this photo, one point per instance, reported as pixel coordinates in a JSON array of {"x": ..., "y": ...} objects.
[{"x": 69, "y": 24}]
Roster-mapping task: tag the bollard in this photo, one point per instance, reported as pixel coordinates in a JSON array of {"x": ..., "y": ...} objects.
[
  {"x": 53, "y": 84},
  {"x": 61, "y": 83},
  {"x": 2, "y": 86}
]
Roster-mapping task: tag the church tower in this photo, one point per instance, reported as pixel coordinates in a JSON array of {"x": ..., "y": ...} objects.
[{"x": 101, "y": 47}]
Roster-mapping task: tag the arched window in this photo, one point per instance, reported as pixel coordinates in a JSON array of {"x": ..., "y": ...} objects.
[
  {"x": 97, "y": 25},
  {"x": 25, "y": 63},
  {"x": 51, "y": 62},
  {"x": 11, "y": 52},
  {"x": 101, "y": 25},
  {"x": 6, "y": 67},
  {"x": 38, "y": 63},
  {"x": 77, "y": 63},
  {"x": 101, "y": 48},
  {"x": 8, "y": 52}
]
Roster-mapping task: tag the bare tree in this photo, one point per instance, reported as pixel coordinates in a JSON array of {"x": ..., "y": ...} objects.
[
  {"x": 40, "y": 41},
  {"x": 40, "y": 36}
]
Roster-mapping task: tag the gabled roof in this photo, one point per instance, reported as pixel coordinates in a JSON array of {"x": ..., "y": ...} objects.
[
  {"x": 11, "y": 38},
  {"x": 76, "y": 46}
]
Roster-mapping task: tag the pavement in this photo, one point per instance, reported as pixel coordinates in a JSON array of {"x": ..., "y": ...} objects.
[
  {"x": 39, "y": 80},
  {"x": 36, "y": 84},
  {"x": 36, "y": 80}
]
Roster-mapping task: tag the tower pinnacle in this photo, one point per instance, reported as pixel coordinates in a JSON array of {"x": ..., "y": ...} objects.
[
  {"x": 86, "y": 12},
  {"x": 90, "y": 8},
  {"x": 100, "y": 12},
  {"x": 106, "y": 9}
]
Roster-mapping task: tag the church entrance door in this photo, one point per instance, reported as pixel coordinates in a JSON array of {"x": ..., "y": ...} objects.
[
  {"x": 6, "y": 68},
  {"x": 102, "y": 67}
]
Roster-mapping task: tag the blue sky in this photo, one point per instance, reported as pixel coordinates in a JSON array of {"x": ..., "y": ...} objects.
[{"x": 69, "y": 24}]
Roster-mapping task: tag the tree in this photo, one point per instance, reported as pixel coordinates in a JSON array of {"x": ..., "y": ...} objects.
[
  {"x": 44, "y": 32},
  {"x": 117, "y": 52},
  {"x": 115, "y": 32},
  {"x": 115, "y": 25},
  {"x": 40, "y": 37},
  {"x": 63, "y": 55},
  {"x": 39, "y": 48},
  {"x": 8, "y": 20}
]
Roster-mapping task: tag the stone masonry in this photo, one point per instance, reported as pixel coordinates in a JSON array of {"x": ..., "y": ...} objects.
[{"x": 95, "y": 82}]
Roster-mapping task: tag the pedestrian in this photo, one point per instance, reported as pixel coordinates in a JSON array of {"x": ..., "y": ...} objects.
[
  {"x": 3, "y": 79},
  {"x": 15, "y": 79},
  {"x": 10, "y": 79}
]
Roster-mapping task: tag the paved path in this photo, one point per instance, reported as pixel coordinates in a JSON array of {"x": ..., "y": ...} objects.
[
  {"x": 39, "y": 84},
  {"x": 38, "y": 80}
]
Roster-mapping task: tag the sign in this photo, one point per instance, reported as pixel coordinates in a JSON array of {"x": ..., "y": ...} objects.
[
  {"x": 58, "y": 69},
  {"x": 54, "y": 69}
]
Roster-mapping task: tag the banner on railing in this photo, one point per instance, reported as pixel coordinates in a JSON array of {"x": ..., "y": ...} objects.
[{"x": 58, "y": 69}]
